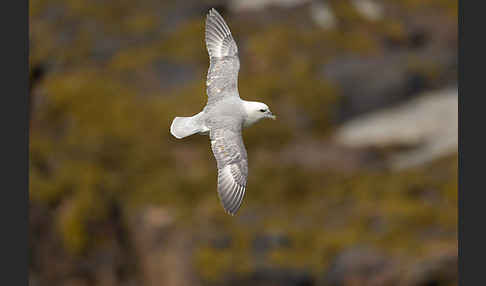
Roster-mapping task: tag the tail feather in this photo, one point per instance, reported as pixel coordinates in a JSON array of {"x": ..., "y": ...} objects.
[{"x": 184, "y": 126}]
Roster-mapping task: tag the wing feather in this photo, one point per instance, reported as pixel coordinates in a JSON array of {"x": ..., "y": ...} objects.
[
  {"x": 230, "y": 153},
  {"x": 219, "y": 41},
  {"x": 224, "y": 64}
]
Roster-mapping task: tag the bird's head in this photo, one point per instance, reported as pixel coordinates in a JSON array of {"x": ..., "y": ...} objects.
[{"x": 256, "y": 111}]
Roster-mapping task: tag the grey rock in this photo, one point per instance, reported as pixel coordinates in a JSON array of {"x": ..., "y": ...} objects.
[
  {"x": 322, "y": 14},
  {"x": 440, "y": 269},
  {"x": 272, "y": 276},
  {"x": 370, "y": 9},
  {"x": 367, "y": 84},
  {"x": 427, "y": 125},
  {"x": 257, "y": 5},
  {"x": 361, "y": 266},
  {"x": 266, "y": 242}
]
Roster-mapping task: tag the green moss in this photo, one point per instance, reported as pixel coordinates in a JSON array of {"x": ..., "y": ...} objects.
[
  {"x": 75, "y": 217},
  {"x": 213, "y": 263}
]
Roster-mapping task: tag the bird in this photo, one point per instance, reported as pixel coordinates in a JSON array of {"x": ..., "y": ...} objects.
[{"x": 225, "y": 114}]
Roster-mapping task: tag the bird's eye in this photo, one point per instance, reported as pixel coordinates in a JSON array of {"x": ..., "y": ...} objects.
[{"x": 262, "y": 110}]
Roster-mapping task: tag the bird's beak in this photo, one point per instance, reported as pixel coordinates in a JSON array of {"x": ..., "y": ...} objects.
[{"x": 270, "y": 115}]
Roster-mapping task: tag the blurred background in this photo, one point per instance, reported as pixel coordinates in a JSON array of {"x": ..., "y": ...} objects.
[{"x": 354, "y": 184}]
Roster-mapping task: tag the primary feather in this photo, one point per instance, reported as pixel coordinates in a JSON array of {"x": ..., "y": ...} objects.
[
  {"x": 230, "y": 153},
  {"x": 219, "y": 40},
  {"x": 224, "y": 64}
]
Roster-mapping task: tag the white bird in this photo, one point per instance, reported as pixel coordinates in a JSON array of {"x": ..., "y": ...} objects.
[{"x": 224, "y": 115}]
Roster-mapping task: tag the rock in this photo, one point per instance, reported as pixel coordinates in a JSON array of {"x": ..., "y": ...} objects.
[
  {"x": 257, "y": 5},
  {"x": 156, "y": 218},
  {"x": 367, "y": 84},
  {"x": 163, "y": 251},
  {"x": 271, "y": 276},
  {"x": 262, "y": 244},
  {"x": 322, "y": 15},
  {"x": 221, "y": 242},
  {"x": 324, "y": 155},
  {"x": 441, "y": 269},
  {"x": 369, "y": 9},
  {"x": 366, "y": 266},
  {"x": 265, "y": 242},
  {"x": 427, "y": 126},
  {"x": 361, "y": 266}
]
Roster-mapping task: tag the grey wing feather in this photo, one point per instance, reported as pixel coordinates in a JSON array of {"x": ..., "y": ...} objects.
[
  {"x": 224, "y": 63},
  {"x": 219, "y": 40},
  {"x": 230, "y": 153}
]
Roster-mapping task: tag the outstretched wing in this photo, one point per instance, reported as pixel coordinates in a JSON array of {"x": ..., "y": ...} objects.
[
  {"x": 230, "y": 153},
  {"x": 224, "y": 63}
]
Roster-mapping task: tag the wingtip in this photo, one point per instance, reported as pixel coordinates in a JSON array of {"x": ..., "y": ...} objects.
[
  {"x": 211, "y": 11},
  {"x": 232, "y": 210},
  {"x": 231, "y": 213},
  {"x": 228, "y": 210},
  {"x": 214, "y": 13}
]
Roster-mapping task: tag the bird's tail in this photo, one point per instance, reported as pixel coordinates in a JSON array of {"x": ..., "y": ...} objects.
[{"x": 185, "y": 126}]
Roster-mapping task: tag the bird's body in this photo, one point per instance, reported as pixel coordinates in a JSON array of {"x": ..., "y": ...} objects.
[{"x": 224, "y": 115}]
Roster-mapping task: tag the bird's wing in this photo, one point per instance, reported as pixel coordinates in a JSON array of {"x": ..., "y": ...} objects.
[
  {"x": 224, "y": 63},
  {"x": 230, "y": 153}
]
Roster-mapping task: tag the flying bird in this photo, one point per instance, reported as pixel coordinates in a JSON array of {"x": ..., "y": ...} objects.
[{"x": 225, "y": 114}]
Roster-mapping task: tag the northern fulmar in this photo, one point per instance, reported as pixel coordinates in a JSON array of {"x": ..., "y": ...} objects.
[{"x": 225, "y": 114}]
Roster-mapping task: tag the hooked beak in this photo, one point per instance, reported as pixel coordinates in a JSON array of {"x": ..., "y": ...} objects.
[{"x": 270, "y": 115}]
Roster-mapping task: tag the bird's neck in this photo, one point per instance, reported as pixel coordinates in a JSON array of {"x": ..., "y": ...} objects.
[{"x": 251, "y": 117}]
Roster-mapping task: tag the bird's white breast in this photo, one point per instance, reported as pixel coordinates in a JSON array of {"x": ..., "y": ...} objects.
[{"x": 249, "y": 121}]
